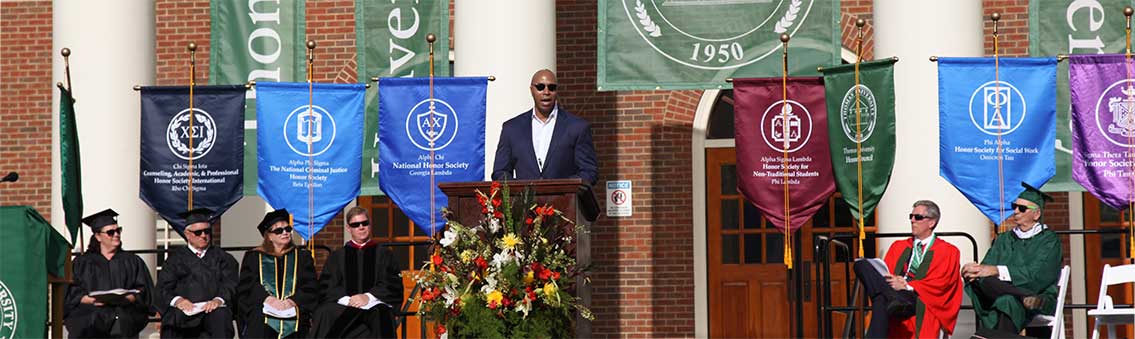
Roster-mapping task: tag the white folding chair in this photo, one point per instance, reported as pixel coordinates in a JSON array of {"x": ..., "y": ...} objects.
[
  {"x": 1056, "y": 320},
  {"x": 1105, "y": 312}
]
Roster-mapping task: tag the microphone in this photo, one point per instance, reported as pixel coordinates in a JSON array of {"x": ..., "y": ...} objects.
[{"x": 11, "y": 177}]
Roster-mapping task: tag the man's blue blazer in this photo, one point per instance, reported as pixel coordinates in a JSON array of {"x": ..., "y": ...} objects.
[{"x": 570, "y": 155}]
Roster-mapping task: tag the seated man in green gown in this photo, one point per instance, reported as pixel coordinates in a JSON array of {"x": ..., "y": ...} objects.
[{"x": 1017, "y": 279}]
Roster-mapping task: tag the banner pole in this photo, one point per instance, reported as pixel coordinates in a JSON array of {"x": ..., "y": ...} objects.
[
  {"x": 784, "y": 150},
  {"x": 192, "y": 83},
  {"x": 1127, "y": 11},
  {"x": 996, "y": 17},
  {"x": 66, "y": 53},
  {"x": 310, "y": 155},
  {"x": 430, "y": 39},
  {"x": 859, "y": 23}
]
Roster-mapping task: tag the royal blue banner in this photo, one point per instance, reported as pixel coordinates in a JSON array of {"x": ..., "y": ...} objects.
[
  {"x": 982, "y": 106},
  {"x": 411, "y": 126},
  {"x": 309, "y": 152},
  {"x": 211, "y": 135}
]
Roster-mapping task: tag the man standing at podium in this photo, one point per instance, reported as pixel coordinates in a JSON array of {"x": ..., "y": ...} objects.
[{"x": 546, "y": 142}]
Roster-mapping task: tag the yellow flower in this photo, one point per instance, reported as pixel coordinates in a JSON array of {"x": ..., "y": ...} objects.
[
  {"x": 494, "y": 298},
  {"x": 530, "y": 277},
  {"x": 466, "y": 256},
  {"x": 550, "y": 293},
  {"x": 510, "y": 241}
]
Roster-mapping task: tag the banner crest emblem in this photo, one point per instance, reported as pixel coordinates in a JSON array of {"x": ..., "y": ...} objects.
[
  {"x": 1001, "y": 107},
  {"x": 432, "y": 125},
  {"x": 868, "y": 109},
  {"x": 178, "y": 134},
  {"x": 310, "y": 126},
  {"x": 1121, "y": 106},
  {"x": 773, "y": 126}
]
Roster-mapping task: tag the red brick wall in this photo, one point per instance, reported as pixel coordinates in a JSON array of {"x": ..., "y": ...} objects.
[{"x": 26, "y": 89}]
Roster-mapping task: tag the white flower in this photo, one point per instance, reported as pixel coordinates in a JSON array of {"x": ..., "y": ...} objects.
[
  {"x": 450, "y": 296},
  {"x": 494, "y": 225},
  {"x": 449, "y": 238},
  {"x": 444, "y": 336},
  {"x": 502, "y": 258},
  {"x": 490, "y": 284},
  {"x": 523, "y": 307}
]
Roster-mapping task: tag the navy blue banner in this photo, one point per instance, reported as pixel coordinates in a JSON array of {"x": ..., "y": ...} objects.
[
  {"x": 411, "y": 126},
  {"x": 982, "y": 107},
  {"x": 211, "y": 134},
  {"x": 310, "y": 153}
]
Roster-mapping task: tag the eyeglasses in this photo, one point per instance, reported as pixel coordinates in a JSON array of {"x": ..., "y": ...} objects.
[
  {"x": 359, "y": 224},
  {"x": 918, "y": 217},
  {"x": 207, "y": 231},
  {"x": 281, "y": 230},
  {"x": 1022, "y": 208},
  {"x": 540, "y": 87},
  {"x": 113, "y": 232}
]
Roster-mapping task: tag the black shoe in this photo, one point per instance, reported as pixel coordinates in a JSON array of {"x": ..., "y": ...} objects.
[{"x": 901, "y": 304}]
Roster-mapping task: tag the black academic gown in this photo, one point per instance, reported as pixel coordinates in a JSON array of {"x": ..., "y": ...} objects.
[
  {"x": 349, "y": 271},
  {"x": 93, "y": 272},
  {"x": 251, "y": 294},
  {"x": 197, "y": 280}
]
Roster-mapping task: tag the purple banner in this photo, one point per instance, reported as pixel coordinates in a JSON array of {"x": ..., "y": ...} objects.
[{"x": 1103, "y": 126}]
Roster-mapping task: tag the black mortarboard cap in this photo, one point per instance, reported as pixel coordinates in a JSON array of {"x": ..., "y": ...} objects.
[
  {"x": 272, "y": 218},
  {"x": 100, "y": 219},
  {"x": 1034, "y": 195},
  {"x": 196, "y": 215}
]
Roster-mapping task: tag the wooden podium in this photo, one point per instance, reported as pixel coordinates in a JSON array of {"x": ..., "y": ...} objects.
[{"x": 571, "y": 196}]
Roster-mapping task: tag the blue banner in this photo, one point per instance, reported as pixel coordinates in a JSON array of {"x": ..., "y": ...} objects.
[
  {"x": 211, "y": 135},
  {"x": 451, "y": 127},
  {"x": 987, "y": 113},
  {"x": 310, "y": 150}
]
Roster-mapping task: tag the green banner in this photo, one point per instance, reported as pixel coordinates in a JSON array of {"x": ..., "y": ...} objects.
[
  {"x": 262, "y": 40},
  {"x": 391, "y": 40},
  {"x": 868, "y": 133},
  {"x": 71, "y": 173},
  {"x": 32, "y": 249},
  {"x": 697, "y": 44},
  {"x": 1073, "y": 27}
]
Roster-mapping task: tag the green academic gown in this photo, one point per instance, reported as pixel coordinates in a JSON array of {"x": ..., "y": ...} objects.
[{"x": 1034, "y": 266}]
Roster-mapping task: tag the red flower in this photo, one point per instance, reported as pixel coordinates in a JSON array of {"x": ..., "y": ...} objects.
[
  {"x": 539, "y": 210},
  {"x": 495, "y": 186},
  {"x": 481, "y": 199},
  {"x": 439, "y": 330},
  {"x": 493, "y": 305},
  {"x": 436, "y": 259},
  {"x": 531, "y": 293},
  {"x": 455, "y": 311},
  {"x": 481, "y": 263},
  {"x": 544, "y": 274},
  {"x": 555, "y": 275},
  {"x": 428, "y": 294},
  {"x": 549, "y": 211},
  {"x": 528, "y": 220},
  {"x": 496, "y": 202},
  {"x": 498, "y": 214},
  {"x": 484, "y": 210}
]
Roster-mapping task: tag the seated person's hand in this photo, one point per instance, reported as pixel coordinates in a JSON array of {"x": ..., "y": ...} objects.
[
  {"x": 183, "y": 305},
  {"x": 358, "y": 300},
  {"x": 897, "y": 283},
  {"x": 131, "y": 298},
  {"x": 212, "y": 305},
  {"x": 89, "y": 300}
]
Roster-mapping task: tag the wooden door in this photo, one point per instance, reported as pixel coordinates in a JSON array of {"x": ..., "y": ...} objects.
[{"x": 1105, "y": 249}]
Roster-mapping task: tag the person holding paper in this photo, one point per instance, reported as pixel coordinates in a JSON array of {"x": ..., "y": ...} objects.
[
  {"x": 920, "y": 293},
  {"x": 362, "y": 286},
  {"x": 1017, "y": 278},
  {"x": 277, "y": 290},
  {"x": 546, "y": 142},
  {"x": 110, "y": 294},
  {"x": 197, "y": 283}
]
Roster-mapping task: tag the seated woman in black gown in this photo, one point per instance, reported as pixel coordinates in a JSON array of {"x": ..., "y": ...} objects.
[
  {"x": 277, "y": 277},
  {"x": 105, "y": 267}
]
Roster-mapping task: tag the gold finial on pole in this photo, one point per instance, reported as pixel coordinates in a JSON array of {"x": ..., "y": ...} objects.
[
  {"x": 996, "y": 17},
  {"x": 1127, "y": 11},
  {"x": 66, "y": 52}
]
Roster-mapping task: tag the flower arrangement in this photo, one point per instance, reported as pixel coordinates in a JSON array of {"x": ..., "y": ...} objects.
[{"x": 508, "y": 276}]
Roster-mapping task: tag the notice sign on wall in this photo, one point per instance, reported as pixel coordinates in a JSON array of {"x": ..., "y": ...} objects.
[{"x": 619, "y": 203}]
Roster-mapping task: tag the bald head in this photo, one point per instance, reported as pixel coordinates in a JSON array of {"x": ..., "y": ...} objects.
[{"x": 543, "y": 88}]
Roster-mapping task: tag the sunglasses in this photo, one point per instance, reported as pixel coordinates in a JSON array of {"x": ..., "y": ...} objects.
[
  {"x": 359, "y": 224},
  {"x": 207, "y": 231},
  {"x": 1022, "y": 208},
  {"x": 918, "y": 217},
  {"x": 113, "y": 232},
  {"x": 550, "y": 87},
  {"x": 281, "y": 230}
]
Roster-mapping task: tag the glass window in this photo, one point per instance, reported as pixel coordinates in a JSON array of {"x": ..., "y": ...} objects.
[
  {"x": 721, "y": 119},
  {"x": 729, "y": 179},
  {"x": 730, "y": 218},
  {"x": 774, "y": 248},
  {"x": 730, "y": 244},
  {"x": 752, "y": 248},
  {"x": 752, "y": 216}
]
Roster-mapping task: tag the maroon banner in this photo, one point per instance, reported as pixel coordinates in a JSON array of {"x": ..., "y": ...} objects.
[{"x": 766, "y": 126}]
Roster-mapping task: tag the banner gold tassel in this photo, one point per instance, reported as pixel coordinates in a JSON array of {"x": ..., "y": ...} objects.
[
  {"x": 784, "y": 160},
  {"x": 858, "y": 129}
]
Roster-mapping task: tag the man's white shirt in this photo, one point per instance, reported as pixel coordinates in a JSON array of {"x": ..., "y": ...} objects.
[{"x": 542, "y": 134}]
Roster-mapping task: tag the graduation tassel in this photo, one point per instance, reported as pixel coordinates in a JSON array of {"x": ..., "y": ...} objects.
[
  {"x": 858, "y": 129},
  {"x": 784, "y": 160}
]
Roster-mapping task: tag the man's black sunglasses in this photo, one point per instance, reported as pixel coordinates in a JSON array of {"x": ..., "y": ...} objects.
[
  {"x": 1021, "y": 208},
  {"x": 111, "y": 233},
  {"x": 281, "y": 230},
  {"x": 207, "y": 231},
  {"x": 540, "y": 87},
  {"x": 359, "y": 224},
  {"x": 918, "y": 217}
]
